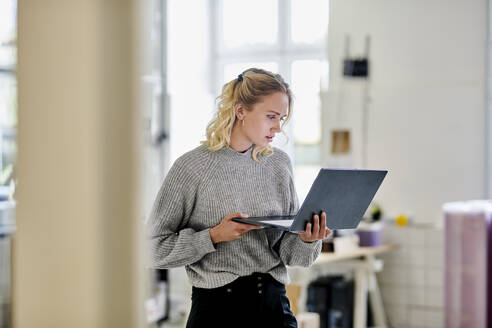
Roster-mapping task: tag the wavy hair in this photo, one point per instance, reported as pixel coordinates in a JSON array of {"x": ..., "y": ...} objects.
[{"x": 255, "y": 84}]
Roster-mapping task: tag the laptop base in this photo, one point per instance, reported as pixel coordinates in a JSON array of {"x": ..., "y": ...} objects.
[{"x": 277, "y": 222}]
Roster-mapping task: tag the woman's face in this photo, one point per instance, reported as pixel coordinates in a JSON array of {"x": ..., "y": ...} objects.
[{"x": 263, "y": 121}]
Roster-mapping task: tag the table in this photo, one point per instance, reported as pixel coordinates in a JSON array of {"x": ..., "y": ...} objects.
[{"x": 362, "y": 261}]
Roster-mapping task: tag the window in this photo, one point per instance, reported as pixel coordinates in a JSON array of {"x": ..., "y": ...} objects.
[
  {"x": 286, "y": 37},
  {"x": 8, "y": 90},
  {"x": 244, "y": 24}
]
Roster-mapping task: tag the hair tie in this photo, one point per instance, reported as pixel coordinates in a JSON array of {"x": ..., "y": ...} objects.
[{"x": 240, "y": 77}]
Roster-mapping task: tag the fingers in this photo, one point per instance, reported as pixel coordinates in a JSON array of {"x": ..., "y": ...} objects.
[
  {"x": 316, "y": 226},
  {"x": 228, "y": 218},
  {"x": 241, "y": 228},
  {"x": 308, "y": 233},
  {"x": 317, "y": 230},
  {"x": 228, "y": 230},
  {"x": 321, "y": 231},
  {"x": 247, "y": 227},
  {"x": 231, "y": 216},
  {"x": 322, "y": 228}
]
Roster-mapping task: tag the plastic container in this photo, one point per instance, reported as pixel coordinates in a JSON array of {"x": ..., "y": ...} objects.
[{"x": 370, "y": 234}]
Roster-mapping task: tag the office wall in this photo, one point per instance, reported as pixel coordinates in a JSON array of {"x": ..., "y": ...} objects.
[
  {"x": 77, "y": 256},
  {"x": 426, "y": 98}
]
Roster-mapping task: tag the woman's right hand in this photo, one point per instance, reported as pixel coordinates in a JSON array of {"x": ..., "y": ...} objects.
[{"x": 228, "y": 230}]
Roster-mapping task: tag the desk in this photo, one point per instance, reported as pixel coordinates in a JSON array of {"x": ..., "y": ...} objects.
[{"x": 363, "y": 263}]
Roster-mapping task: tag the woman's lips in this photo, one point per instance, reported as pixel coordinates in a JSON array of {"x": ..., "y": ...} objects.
[{"x": 269, "y": 139}]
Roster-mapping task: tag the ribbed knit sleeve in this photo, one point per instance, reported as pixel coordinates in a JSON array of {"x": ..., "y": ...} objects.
[
  {"x": 171, "y": 243},
  {"x": 293, "y": 250}
]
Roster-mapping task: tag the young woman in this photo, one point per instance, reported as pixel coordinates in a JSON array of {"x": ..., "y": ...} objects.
[{"x": 238, "y": 271}]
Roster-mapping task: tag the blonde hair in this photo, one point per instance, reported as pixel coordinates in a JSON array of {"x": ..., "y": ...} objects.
[{"x": 247, "y": 89}]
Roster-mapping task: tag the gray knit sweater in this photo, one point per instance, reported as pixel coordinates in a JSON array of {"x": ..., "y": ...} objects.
[{"x": 204, "y": 186}]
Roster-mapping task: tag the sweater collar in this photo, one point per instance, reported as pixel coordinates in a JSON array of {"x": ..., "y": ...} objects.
[{"x": 228, "y": 153}]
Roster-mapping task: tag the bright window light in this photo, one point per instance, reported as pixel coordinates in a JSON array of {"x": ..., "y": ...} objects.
[
  {"x": 309, "y": 20},
  {"x": 249, "y": 22}
]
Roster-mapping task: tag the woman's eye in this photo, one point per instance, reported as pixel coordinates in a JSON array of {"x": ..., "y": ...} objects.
[
  {"x": 271, "y": 117},
  {"x": 282, "y": 119}
]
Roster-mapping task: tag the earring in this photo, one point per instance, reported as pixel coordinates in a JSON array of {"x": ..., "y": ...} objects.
[{"x": 242, "y": 122}]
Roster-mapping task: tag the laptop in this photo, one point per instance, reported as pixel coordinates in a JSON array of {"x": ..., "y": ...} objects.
[{"x": 344, "y": 195}]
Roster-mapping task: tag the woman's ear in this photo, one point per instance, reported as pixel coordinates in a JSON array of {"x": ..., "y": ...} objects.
[{"x": 239, "y": 111}]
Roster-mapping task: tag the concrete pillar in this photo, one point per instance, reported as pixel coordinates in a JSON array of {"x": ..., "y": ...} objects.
[{"x": 77, "y": 249}]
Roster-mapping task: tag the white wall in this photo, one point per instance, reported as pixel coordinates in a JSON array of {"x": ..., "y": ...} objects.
[
  {"x": 427, "y": 97},
  {"x": 412, "y": 281}
]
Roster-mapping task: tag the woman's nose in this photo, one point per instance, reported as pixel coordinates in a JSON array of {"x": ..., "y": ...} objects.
[{"x": 276, "y": 127}]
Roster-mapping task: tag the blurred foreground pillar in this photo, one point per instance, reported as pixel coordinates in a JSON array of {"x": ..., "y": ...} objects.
[{"x": 77, "y": 245}]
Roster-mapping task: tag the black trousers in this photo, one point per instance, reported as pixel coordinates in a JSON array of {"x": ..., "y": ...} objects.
[{"x": 253, "y": 301}]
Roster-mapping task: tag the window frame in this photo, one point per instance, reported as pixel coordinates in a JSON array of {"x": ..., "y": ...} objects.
[{"x": 283, "y": 52}]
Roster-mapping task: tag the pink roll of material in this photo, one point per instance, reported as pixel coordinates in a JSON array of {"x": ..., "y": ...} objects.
[{"x": 467, "y": 245}]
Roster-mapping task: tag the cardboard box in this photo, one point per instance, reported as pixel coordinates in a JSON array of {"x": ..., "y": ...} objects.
[{"x": 294, "y": 295}]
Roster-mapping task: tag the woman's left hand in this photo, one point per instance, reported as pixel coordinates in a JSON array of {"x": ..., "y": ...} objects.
[{"x": 315, "y": 231}]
